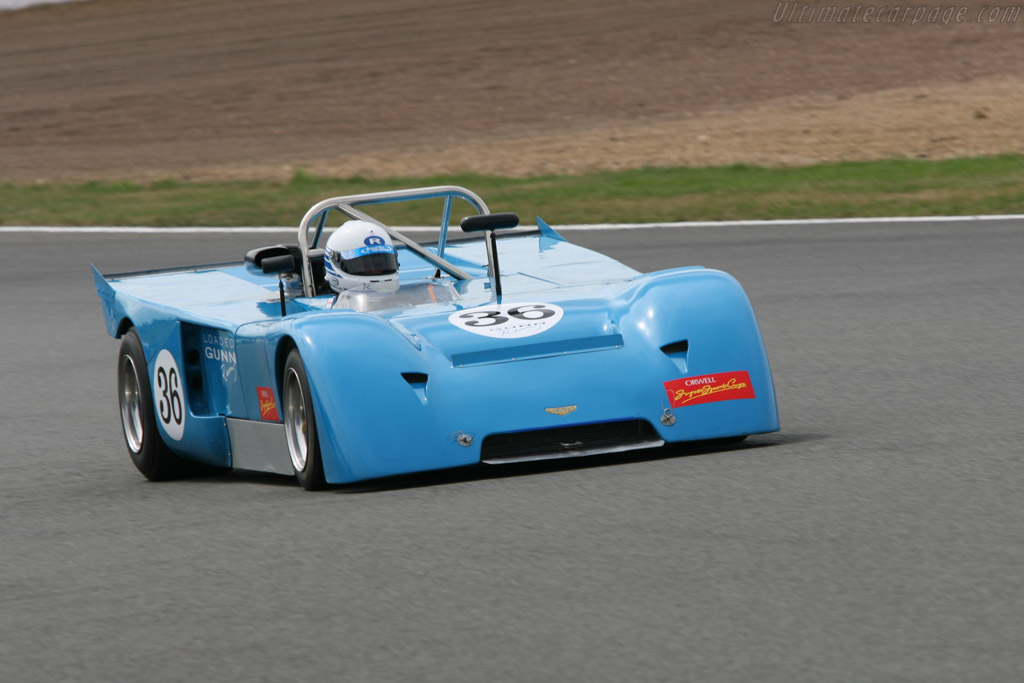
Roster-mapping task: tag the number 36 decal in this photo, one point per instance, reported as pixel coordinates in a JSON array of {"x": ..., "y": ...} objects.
[
  {"x": 167, "y": 395},
  {"x": 507, "y": 321}
]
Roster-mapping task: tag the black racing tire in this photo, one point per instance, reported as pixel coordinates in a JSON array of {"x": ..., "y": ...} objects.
[
  {"x": 300, "y": 424},
  {"x": 138, "y": 422}
]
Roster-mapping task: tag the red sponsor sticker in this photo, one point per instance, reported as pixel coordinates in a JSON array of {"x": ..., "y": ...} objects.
[
  {"x": 268, "y": 406},
  {"x": 721, "y": 386}
]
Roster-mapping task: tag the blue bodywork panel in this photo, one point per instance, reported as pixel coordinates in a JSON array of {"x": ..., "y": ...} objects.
[{"x": 578, "y": 339}]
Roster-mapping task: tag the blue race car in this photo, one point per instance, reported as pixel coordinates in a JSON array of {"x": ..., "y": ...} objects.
[{"x": 368, "y": 354}]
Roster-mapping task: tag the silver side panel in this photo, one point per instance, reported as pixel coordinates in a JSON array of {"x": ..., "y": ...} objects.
[{"x": 258, "y": 446}]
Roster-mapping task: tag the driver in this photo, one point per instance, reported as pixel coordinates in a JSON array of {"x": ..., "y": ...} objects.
[{"x": 360, "y": 256}]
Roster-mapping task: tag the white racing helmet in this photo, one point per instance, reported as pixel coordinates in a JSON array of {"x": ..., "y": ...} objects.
[{"x": 360, "y": 256}]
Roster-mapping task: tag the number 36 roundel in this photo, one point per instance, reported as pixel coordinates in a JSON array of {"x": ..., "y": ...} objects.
[
  {"x": 168, "y": 396},
  {"x": 507, "y": 321}
]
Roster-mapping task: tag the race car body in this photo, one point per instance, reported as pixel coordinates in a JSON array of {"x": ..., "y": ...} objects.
[{"x": 492, "y": 350}]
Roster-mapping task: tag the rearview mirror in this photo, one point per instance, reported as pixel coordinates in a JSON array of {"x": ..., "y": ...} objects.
[
  {"x": 491, "y": 221},
  {"x": 278, "y": 264}
]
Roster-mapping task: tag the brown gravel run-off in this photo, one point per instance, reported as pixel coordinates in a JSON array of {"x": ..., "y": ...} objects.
[{"x": 147, "y": 89}]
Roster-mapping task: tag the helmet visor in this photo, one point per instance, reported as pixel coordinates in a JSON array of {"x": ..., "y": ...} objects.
[{"x": 369, "y": 264}]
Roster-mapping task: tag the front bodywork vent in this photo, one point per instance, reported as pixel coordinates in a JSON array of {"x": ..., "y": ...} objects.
[
  {"x": 415, "y": 378},
  {"x": 676, "y": 348},
  {"x": 678, "y": 352},
  {"x": 569, "y": 442},
  {"x": 563, "y": 347},
  {"x": 418, "y": 382}
]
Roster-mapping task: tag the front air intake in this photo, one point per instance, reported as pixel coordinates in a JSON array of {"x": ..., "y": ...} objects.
[{"x": 569, "y": 442}]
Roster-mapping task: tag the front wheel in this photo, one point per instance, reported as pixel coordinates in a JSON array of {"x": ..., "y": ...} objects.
[
  {"x": 148, "y": 452},
  {"x": 300, "y": 424}
]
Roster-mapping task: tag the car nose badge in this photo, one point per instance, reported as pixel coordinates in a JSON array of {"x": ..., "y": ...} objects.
[{"x": 561, "y": 410}]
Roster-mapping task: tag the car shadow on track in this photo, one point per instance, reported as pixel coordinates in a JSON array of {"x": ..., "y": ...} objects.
[
  {"x": 482, "y": 472},
  {"x": 522, "y": 469}
]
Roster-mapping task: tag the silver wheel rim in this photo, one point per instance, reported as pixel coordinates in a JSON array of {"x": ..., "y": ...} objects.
[
  {"x": 295, "y": 424},
  {"x": 131, "y": 405}
]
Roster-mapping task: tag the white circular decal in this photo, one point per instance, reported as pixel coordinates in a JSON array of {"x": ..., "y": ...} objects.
[
  {"x": 168, "y": 396},
  {"x": 507, "y": 321}
]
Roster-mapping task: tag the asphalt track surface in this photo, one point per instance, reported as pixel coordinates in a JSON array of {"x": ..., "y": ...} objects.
[{"x": 878, "y": 537}]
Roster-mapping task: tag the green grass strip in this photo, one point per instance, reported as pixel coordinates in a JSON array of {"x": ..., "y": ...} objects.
[{"x": 985, "y": 185}]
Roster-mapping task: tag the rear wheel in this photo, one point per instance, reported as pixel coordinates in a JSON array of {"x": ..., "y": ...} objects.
[
  {"x": 300, "y": 424},
  {"x": 135, "y": 395}
]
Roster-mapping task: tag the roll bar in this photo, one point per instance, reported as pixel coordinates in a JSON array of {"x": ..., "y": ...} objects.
[{"x": 347, "y": 206}]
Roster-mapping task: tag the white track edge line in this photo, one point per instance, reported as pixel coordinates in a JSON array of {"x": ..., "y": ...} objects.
[{"x": 575, "y": 227}]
